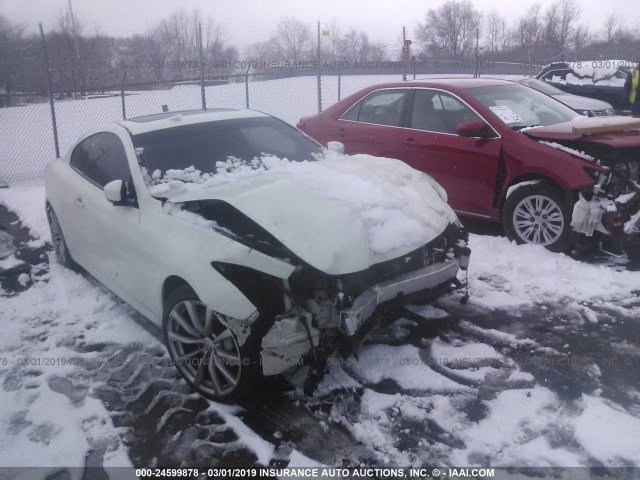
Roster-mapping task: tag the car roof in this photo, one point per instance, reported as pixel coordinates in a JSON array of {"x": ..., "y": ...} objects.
[
  {"x": 160, "y": 121},
  {"x": 450, "y": 82}
]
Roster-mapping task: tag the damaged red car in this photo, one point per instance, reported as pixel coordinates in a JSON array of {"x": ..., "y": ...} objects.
[{"x": 503, "y": 152}]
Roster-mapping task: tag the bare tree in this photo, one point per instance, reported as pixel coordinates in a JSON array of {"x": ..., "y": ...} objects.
[
  {"x": 613, "y": 23},
  {"x": 12, "y": 48},
  {"x": 496, "y": 28},
  {"x": 450, "y": 29},
  {"x": 569, "y": 14},
  {"x": 528, "y": 28},
  {"x": 355, "y": 46},
  {"x": 551, "y": 26},
  {"x": 72, "y": 28},
  {"x": 581, "y": 38},
  {"x": 331, "y": 47},
  {"x": 261, "y": 53},
  {"x": 293, "y": 39}
]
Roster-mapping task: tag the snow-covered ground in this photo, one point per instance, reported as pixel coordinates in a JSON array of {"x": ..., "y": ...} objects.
[{"x": 540, "y": 368}]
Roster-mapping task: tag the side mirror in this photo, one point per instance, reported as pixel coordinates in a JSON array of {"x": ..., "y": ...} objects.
[
  {"x": 334, "y": 146},
  {"x": 115, "y": 191},
  {"x": 475, "y": 128}
]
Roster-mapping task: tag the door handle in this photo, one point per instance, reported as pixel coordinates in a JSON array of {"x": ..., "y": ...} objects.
[
  {"x": 342, "y": 132},
  {"x": 410, "y": 142},
  {"x": 79, "y": 203}
]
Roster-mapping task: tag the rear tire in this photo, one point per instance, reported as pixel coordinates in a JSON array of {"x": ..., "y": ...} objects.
[
  {"x": 205, "y": 350},
  {"x": 538, "y": 214}
]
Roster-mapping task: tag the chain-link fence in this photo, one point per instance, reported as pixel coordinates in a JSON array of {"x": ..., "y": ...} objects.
[{"x": 27, "y": 128}]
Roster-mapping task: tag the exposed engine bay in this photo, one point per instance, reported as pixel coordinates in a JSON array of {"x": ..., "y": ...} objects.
[
  {"x": 609, "y": 210},
  {"x": 318, "y": 315}
]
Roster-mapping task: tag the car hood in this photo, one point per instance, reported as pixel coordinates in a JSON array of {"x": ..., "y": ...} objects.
[
  {"x": 578, "y": 102},
  {"x": 615, "y": 131},
  {"x": 340, "y": 214}
]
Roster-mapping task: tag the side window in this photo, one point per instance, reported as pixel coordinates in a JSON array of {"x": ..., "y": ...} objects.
[
  {"x": 101, "y": 158},
  {"x": 436, "y": 111},
  {"x": 352, "y": 113},
  {"x": 383, "y": 107}
]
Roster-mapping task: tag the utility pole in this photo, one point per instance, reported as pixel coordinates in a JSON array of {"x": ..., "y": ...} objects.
[
  {"x": 476, "y": 72},
  {"x": 75, "y": 34},
  {"x": 319, "y": 74},
  {"x": 202, "y": 92},
  {"x": 50, "y": 91},
  {"x": 404, "y": 54}
]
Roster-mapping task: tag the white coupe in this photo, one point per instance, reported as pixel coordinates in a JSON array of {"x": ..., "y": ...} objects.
[{"x": 254, "y": 247}]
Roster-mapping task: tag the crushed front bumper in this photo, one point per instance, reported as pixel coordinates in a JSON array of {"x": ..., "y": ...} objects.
[{"x": 414, "y": 281}]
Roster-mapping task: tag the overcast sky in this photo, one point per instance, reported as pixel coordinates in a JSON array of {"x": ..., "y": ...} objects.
[{"x": 247, "y": 21}]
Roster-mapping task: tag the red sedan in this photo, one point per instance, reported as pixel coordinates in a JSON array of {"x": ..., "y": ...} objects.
[{"x": 502, "y": 151}]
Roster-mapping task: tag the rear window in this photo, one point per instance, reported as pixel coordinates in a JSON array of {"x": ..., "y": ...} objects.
[{"x": 202, "y": 145}]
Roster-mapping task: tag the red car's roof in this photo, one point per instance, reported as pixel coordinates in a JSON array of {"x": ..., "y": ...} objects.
[{"x": 446, "y": 83}]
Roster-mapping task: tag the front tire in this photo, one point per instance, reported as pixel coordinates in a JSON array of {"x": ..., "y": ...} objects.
[
  {"x": 538, "y": 214},
  {"x": 206, "y": 351},
  {"x": 59, "y": 243}
]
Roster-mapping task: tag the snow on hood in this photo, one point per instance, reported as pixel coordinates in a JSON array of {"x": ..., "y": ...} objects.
[
  {"x": 340, "y": 213},
  {"x": 572, "y": 151}
]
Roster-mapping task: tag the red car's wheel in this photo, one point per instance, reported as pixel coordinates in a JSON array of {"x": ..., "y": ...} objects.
[{"x": 538, "y": 214}]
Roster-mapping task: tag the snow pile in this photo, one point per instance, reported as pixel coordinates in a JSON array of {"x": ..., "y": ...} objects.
[
  {"x": 28, "y": 204},
  {"x": 503, "y": 274},
  {"x": 397, "y": 205},
  {"x": 175, "y": 182}
]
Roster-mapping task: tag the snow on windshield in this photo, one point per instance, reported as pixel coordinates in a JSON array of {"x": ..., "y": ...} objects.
[{"x": 397, "y": 205}]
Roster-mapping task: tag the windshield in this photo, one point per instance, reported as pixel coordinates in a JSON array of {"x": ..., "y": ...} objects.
[
  {"x": 202, "y": 145},
  {"x": 518, "y": 106},
  {"x": 541, "y": 86}
]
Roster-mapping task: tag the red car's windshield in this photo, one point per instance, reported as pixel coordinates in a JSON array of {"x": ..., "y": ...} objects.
[{"x": 518, "y": 106}]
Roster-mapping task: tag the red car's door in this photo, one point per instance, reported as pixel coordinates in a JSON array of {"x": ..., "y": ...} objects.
[
  {"x": 373, "y": 125},
  {"x": 465, "y": 167}
]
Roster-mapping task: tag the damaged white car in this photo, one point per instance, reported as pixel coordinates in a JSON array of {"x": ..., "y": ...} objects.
[{"x": 253, "y": 246}]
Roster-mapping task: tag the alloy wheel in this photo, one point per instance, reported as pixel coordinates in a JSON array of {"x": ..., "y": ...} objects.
[{"x": 204, "y": 348}]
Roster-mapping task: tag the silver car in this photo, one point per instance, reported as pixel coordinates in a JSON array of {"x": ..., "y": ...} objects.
[{"x": 589, "y": 107}]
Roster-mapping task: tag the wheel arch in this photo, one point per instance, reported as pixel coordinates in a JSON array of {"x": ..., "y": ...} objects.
[
  {"x": 213, "y": 290},
  {"x": 526, "y": 177},
  {"x": 172, "y": 283},
  {"x": 252, "y": 290}
]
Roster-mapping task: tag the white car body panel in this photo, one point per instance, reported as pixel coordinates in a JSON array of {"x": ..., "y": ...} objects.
[
  {"x": 327, "y": 232},
  {"x": 165, "y": 244}
]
